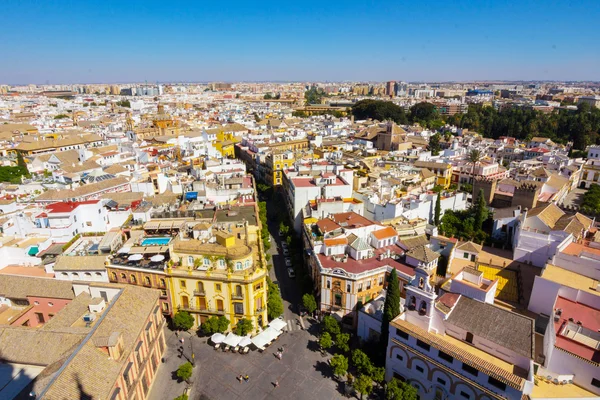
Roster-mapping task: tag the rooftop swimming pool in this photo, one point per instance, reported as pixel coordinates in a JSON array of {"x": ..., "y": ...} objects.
[{"x": 156, "y": 241}]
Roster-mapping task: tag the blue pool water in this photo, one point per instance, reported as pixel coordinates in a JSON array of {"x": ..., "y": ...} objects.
[{"x": 157, "y": 241}]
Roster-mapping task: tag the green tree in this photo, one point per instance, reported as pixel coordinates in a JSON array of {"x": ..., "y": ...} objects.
[
  {"x": 391, "y": 308},
  {"x": 341, "y": 341},
  {"x": 61, "y": 116},
  {"x": 21, "y": 161},
  {"x": 284, "y": 228},
  {"x": 309, "y": 302},
  {"x": 379, "y": 110},
  {"x": 438, "y": 209},
  {"x": 339, "y": 363},
  {"x": 330, "y": 325},
  {"x": 325, "y": 341},
  {"x": 215, "y": 325},
  {"x": 183, "y": 321},
  {"x": 591, "y": 200},
  {"x": 314, "y": 95},
  {"x": 268, "y": 96},
  {"x": 274, "y": 302},
  {"x": 397, "y": 390},
  {"x": 474, "y": 157},
  {"x": 363, "y": 385},
  {"x": 378, "y": 374},
  {"x": 423, "y": 113},
  {"x": 481, "y": 211},
  {"x": 244, "y": 327},
  {"x": 184, "y": 372},
  {"x": 362, "y": 362},
  {"x": 434, "y": 144}
]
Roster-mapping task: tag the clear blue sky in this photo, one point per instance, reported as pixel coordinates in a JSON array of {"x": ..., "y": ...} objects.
[{"x": 419, "y": 40}]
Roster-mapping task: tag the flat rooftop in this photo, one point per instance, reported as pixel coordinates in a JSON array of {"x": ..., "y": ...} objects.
[
  {"x": 546, "y": 390},
  {"x": 571, "y": 279}
]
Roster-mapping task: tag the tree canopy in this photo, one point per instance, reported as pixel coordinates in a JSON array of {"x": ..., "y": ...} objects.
[
  {"x": 434, "y": 144},
  {"x": 214, "y": 325},
  {"x": 244, "y": 327},
  {"x": 391, "y": 307},
  {"x": 325, "y": 341},
  {"x": 339, "y": 363},
  {"x": 591, "y": 200},
  {"x": 13, "y": 174},
  {"x": 183, "y": 321},
  {"x": 274, "y": 302},
  {"x": 314, "y": 95},
  {"x": 398, "y": 390},
  {"x": 184, "y": 372},
  {"x": 330, "y": 325},
  {"x": 581, "y": 126},
  {"x": 379, "y": 110},
  {"x": 438, "y": 209},
  {"x": 341, "y": 341},
  {"x": 363, "y": 385},
  {"x": 423, "y": 113},
  {"x": 309, "y": 302}
]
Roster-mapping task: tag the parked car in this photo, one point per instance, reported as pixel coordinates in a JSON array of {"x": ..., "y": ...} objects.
[
  {"x": 280, "y": 234},
  {"x": 288, "y": 262},
  {"x": 286, "y": 252},
  {"x": 291, "y": 272},
  {"x": 284, "y": 245}
]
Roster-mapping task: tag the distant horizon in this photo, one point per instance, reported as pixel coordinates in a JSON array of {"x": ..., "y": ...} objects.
[
  {"x": 483, "y": 81},
  {"x": 66, "y": 42}
]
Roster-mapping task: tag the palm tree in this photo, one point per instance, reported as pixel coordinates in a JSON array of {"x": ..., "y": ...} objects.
[{"x": 474, "y": 157}]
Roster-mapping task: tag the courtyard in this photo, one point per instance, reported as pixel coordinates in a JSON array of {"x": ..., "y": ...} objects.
[{"x": 302, "y": 373}]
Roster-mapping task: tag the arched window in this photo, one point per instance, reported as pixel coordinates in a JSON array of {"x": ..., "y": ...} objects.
[
  {"x": 75, "y": 275},
  {"x": 147, "y": 280},
  {"x": 190, "y": 260},
  {"x": 238, "y": 290},
  {"x": 132, "y": 279},
  {"x": 423, "y": 308},
  {"x": 98, "y": 275},
  {"x": 221, "y": 263},
  {"x": 123, "y": 276},
  {"x": 114, "y": 276},
  {"x": 65, "y": 274},
  {"x": 238, "y": 266},
  {"x": 206, "y": 262},
  {"x": 162, "y": 283},
  {"x": 247, "y": 264},
  {"x": 421, "y": 283},
  {"x": 87, "y": 275},
  {"x": 201, "y": 287}
]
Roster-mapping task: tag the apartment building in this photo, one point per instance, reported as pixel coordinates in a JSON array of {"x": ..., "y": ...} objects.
[
  {"x": 301, "y": 187},
  {"x": 350, "y": 258},
  {"x": 105, "y": 341},
  {"x": 65, "y": 220},
  {"x": 443, "y": 171}
]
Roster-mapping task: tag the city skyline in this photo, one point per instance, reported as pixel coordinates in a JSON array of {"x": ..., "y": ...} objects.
[{"x": 68, "y": 42}]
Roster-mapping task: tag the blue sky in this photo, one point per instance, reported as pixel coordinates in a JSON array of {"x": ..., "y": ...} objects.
[{"x": 122, "y": 41}]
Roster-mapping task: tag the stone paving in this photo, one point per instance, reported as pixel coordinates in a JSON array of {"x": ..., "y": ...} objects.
[{"x": 303, "y": 373}]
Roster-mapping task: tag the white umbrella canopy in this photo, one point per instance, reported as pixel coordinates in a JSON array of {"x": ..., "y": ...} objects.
[
  {"x": 135, "y": 257},
  {"x": 232, "y": 339},
  {"x": 124, "y": 249},
  {"x": 157, "y": 258},
  {"x": 217, "y": 338},
  {"x": 278, "y": 323},
  {"x": 246, "y": 341}
]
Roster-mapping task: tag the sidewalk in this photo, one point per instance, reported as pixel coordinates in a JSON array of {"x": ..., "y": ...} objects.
[{"x": 165, "y": 383}]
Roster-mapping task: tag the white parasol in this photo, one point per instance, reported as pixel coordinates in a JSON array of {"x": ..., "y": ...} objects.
[
  {"x": 157, "y": 258},
  {"x": 135, "y": 257}
]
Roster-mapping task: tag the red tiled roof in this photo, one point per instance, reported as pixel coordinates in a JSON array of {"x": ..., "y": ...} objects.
[
  {"x": 65, "y": 207},
  {"x": 590, "y": 319},
  {"x": 385, "y": 233},
  {"x": 357, "y": 266},
  {"x": 351, "y": 220}
]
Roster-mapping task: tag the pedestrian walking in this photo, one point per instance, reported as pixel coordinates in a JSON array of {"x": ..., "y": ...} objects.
[
  {"x": 181, "y": 340},
  {"x": 276, "y": 383},
  {"x": 246, "y": 378},
  {"x": 240, "y": 378}
]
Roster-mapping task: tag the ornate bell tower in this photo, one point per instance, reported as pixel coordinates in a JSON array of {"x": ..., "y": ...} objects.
[{"x": 420, "y": 298}]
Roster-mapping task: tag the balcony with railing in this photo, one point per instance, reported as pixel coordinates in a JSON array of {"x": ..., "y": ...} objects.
[
  {"x": 201, "y": 309},
  {"x": 237, "y": 296},
  {"x": 199, "y": 292}
]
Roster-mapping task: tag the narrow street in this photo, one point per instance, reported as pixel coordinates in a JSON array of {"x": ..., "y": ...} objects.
[{"x": 290, "y": 292}]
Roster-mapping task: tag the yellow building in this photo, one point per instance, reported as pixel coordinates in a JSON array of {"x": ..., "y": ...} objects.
[
  {"x": 278, "y": 161},
  {"x": 222, "y": 278},
  {"x": 443, "y": 171},
  {"x": 225, "y": 144}
]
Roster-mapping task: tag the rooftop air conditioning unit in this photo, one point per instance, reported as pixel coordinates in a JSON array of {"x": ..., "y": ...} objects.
[{"x": 89, "y": 317}]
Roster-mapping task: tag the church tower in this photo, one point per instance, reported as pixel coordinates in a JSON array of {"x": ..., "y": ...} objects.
[{"x": 420, "y": 297}]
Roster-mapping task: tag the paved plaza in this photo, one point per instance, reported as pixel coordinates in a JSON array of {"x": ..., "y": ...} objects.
[{"x": 302, "y": 373}]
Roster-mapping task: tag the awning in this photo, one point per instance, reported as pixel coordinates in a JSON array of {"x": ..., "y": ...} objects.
[
  {"x": 265, "y": 337},
  {"x": 246, "y": 341},
  {"x": 191, "y": 196},
  {"x": 278, "y": 324},
  {"x": 217, "y": 338},
  {"x": 232, "y": 339}
]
